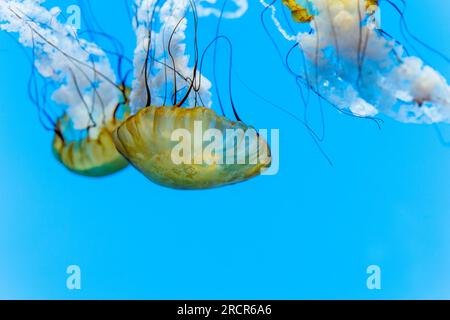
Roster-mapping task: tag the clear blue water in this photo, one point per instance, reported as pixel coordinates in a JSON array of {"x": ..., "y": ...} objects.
[{"x": 309, "y": 232}]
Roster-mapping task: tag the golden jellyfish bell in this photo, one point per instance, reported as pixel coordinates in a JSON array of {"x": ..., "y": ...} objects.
[
  {"x": 89, "y": 157},
  {"x": 371, "y": 6},
  {"x": 147, "y": 141},
  {"x": 301, "y": 14}
]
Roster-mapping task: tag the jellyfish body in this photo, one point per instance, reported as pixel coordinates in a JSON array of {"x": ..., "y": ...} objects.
[
  {"x": 300, "y": 13},
  {"x": 91, "y": 157},
  {"x": 147, "y": 140},
  {"x": 86, "y": 155},
  {"x": 354, "y": 65},
  {"x": 88, "y": 99},
  {"x": 302, "y": 10}
]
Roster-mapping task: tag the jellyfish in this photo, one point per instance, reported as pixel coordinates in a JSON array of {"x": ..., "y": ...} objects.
[
  {"x": 299, "y": 13},
  {"x": 349, "y": 61},
  {"x": 171, "y": 96},
  {"x": 88, "y": 100},
  {"x": 304, "y": 13}
]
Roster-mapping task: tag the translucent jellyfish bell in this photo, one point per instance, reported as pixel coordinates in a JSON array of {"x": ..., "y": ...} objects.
[
  {"x": 147, "y": 141},
  {"x": 92, "y": 157}
]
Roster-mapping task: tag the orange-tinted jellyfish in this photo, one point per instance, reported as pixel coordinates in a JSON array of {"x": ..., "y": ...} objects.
[
  {"x": 299, "y": 12},
  {"x": 301, "y": 9}
]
